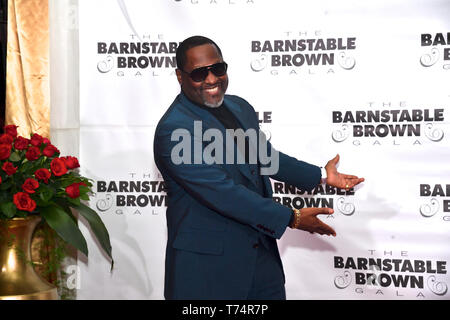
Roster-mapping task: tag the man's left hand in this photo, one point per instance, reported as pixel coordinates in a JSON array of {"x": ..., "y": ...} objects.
[{"x": 339, "y": 180}]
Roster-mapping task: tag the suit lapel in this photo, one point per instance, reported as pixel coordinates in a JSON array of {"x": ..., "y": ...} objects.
[
  {"x": 210, "y": 121},
  {"x": 237, "y": 111}
]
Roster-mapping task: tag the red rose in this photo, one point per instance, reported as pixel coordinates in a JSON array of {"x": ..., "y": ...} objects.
[
  {"x": 36, "y": 140},
  {"x": 58, "y": 167},
  {"x": 43, "y": 174},
  {"x": 30, "y": 185},
  {"x": 9, "y": 168},
  {"x": 6, "y": 139},
  {"x": 0, "y": 179},
  {"x": 71, "y": 162},
  {"x": 21, "y": 143},
  {"x": 11, "y": 130},
  {"x": 5, "y": 151},
  {"x": 50, "y": 150},
  {"x": 23, "y": 202},
  {"x": 46, "y": 141},
  {"x": 33, "y": 153},
  {"x": 73, "y": 190}
]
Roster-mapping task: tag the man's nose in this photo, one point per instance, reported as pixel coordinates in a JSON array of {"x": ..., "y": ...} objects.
[{"x": 210, "y": 78}]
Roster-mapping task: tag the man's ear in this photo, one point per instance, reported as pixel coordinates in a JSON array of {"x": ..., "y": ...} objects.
[{"x": 178, "y": 73}]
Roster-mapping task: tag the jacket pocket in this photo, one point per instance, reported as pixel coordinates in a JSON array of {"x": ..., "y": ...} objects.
[{"x": 200, "y": 242}]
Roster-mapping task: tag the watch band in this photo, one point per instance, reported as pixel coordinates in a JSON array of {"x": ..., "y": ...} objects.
[{"x": 296, "y": 222}]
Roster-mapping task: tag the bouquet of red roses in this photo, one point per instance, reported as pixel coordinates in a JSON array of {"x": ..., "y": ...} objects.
[{"x": 34, "y": 179}]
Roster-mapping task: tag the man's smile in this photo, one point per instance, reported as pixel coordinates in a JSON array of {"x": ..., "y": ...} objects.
[{"x": 213, "y": 89}]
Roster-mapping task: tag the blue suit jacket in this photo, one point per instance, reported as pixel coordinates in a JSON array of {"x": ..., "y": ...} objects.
[{"x": 217, "y": 212}]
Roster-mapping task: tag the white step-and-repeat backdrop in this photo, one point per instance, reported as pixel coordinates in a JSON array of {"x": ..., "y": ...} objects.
[{"x": 369, "y": 80}]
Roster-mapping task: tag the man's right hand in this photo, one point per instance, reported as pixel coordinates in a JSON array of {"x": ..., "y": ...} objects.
[{"x": 309, "y": 222}]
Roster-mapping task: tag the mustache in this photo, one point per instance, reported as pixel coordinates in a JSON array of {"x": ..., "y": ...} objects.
[{"x": 209, "y": 86}]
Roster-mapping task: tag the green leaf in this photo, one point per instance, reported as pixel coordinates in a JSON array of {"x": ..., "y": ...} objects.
[
  {"x": 6, "y": 185},
  {"x": 26, "y": 166},
  {"x": 66, "y": 207},
  {"x": 40, "y": 203},
  {"x": 67, "y": 181},
  {"x": 84, "y": 189},
  {"x": 66, "y": 228},
  {"x": 8, "y": 209},
  {"x": 4, "y": 196},
  {"x": 21, "y": 214},
  {"x": 84, "y": 197},
  {"x": 74, "y": 202},
  {"x": 14, "y": 157},
  {"x": 45, "y": 193},
  {"x": 97, "y": 227}
]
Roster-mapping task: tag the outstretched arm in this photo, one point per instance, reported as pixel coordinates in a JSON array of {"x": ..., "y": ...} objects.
[{"x": 340, "y": 180}]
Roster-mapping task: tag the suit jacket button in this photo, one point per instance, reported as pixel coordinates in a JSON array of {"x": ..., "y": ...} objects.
[
  {"x": 255, "y": 246},
  {"x": 252, "y": 171}
]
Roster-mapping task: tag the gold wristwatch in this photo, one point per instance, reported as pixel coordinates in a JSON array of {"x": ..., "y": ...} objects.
[{"x": 296, "y": 222}]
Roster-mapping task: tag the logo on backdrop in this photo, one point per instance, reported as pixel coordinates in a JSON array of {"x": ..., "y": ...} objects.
[
  {"x": 387, "y": 123},
  {"x": 303, "y": 53},
  {"x": 386, "y": 274},
  {"x": 139, "y": 56},
  {"x": 133, "y": 195},
  {"x": 322, "y": 196},
  {"x": 436, "y": 199},
  {"x": 437, "y": 50},
  {"x": 142, "y": 54},
  {"x": 265, "y": 119}
]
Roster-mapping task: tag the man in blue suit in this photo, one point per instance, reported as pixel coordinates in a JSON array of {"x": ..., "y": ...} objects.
[{"x": 221, "y": 219}]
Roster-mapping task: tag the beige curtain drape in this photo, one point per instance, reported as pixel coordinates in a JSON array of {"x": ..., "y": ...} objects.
[{"x": 27, "y": 80}]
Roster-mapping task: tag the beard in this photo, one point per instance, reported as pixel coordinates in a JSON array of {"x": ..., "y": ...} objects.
[
  {"x": 213, "y": 99},
  {"x": 210, "y": 95},
  {"x": 213, "y": 104}
]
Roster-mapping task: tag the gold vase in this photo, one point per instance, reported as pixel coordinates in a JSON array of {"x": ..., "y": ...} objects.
[{"x": 18, "y": 279}]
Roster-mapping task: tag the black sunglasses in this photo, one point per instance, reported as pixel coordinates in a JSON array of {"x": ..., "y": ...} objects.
[{"x": 200, "y": 74}]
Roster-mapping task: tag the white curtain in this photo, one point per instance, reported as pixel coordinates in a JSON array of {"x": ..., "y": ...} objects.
[
  {"x": 64, "y": 103},
  {"x": 64, "y": 76}
]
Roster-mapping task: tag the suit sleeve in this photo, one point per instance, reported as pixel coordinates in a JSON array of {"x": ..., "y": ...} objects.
[
  {"x": 301, "y": 174},
  {"x": 211, "y": 185}
]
